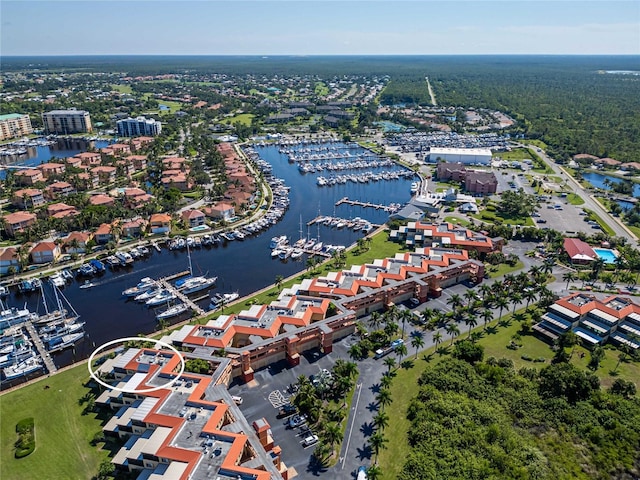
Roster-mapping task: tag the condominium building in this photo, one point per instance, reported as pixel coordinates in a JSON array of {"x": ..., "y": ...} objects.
[
  {"x": 14, "y": 125},
  {"x": 67, "y": 121},
  {"x": 139, "y": 126}
]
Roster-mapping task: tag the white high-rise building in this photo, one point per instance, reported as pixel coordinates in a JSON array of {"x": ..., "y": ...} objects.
[
  {"x": 139, "y": 126},
  {"x": 67, "y": 121},
  {"x": 460, "y": 155}
]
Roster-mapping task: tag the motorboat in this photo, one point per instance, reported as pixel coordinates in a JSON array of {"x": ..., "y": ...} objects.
[
  {"x": 4, "y": 291},
  {"x": 66, "y": 273},
  {"x": 29, "y": 285},
  {"x": 125, "y": 258},
  {"x": 173, "y": 311},
  {"x": 87, "y": 284},
  {"x": 220, "y": 299},
  {"x": 196, "y": 284},
  {"x": 57, "y": 279},
  {"x": 97, "y": 265},
  {"x": 87, "y": 270},
  {"x": 147, "y": 294},
  {"x": 297, "y": 253},
  {"x": 25, "y": 367},
  {"x": 161, "y": 297},
  {"x": 277, "y": 241},
  {"x": 145, "y": 284}
]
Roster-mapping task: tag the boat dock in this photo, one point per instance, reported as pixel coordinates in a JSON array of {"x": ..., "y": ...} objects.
[
  {"x": 44, "y": 354},
  {"x": 192, "y": 305},
  {"x": 386, "y": 208}
]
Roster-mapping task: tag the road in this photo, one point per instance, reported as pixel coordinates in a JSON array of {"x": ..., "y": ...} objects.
[
  {"x": 431, "y": 94},
  {"x": 589, "y": 201}
]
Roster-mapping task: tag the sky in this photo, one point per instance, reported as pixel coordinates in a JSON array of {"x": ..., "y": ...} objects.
[{"x": 327, "y": 27}]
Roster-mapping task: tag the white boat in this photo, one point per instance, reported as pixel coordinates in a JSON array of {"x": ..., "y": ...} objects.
[
  {"x": 4, "y": 291},
  {"x": 317, "y": 247},
  {"x": 161, "y": 297},
  {"x": 147, "y": 294},
  {"x": 145, "y": 284},
  {"x": 225, "y": 298},
  {"x": 296, "y": 253},
  {"x": 24, "y": 367},
  {"x": 124, "y": 257},
  {"x": 277, "y": 241},
  {"x": 197, "y": 284},
  {"x": 87, "y": 284},
  {"x": 173, "y": 311},
  {"x": 57, "y": 279}
]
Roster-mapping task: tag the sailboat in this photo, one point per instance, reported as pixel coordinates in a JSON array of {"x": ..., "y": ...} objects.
[
  {"x": 195, "y": 284},
  {"x": 173, "y": 311}
]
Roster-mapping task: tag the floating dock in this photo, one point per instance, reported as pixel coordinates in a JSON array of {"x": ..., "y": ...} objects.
[{"x": 44, "y": 354}]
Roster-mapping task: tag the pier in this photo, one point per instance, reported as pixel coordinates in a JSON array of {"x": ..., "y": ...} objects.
[
  {"x": 192, "y": 305},
  {"x": 44, "y": 354},
  {"x": 386, "y": 208}
]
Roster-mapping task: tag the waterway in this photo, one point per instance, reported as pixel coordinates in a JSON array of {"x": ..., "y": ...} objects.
[
  {"x": 243, "y": 266},
  {"x": 598, "y": 179}
]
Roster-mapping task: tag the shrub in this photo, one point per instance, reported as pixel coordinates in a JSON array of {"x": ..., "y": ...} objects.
[
  {"x": 26, "y": 442},
  {"x": 526, "y": 358}
]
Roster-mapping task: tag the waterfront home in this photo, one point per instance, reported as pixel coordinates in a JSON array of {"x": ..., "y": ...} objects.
[
  {"x": 9, "y": 261},
  {"x": 59, "y": 189},
  {"x": 238, "y": 196},
  {"x": 76, "y": 242},
  {"x": 221, "y": 211},
  {"x": 243, "y": 179},
  {"x": 27, "y": 198},
  {"x": 101, "y": 199},
  {"x": 104, "y": 234},
  {"x": 134, "y": 228},
  {"x": 18, "y": 222},
  {"x": 139, "y": 162},
  {"x": 89, "y": 159},
  {"x": 105, "y": 174},
  {"x": 193, "y": 218},
  {"x": 73, "y": 162},
  {"x": 44, "y": 252},
  {"x": 28, "y": 176},
  {"x": 61, "y": 210},
  {"x": 51, "y": 169},
  {"x": 136, "y": 197},
  {"x": 160, "y": 223}
]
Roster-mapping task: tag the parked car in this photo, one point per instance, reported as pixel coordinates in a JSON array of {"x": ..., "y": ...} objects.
[
  {"x": 310, "y": 440},
  {"x": 296, "y": 421},
  {"x": 414, "y": 301}
]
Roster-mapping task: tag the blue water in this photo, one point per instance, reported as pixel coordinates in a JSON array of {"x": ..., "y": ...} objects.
[
  {"x": 608, "y": 255},
  {"x": 243, "y": 266},
  {"x": 163, "y": 107},
  {"x": 597, "y": 180},
  {"x": 390, "y": 126}
]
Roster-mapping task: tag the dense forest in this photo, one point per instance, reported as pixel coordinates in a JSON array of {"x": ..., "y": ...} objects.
[{"x": 487, "y": 421}]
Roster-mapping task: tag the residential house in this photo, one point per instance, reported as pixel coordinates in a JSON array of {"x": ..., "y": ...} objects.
[
  {"x": 139, "y": 143},
  {"x": 59, "y": 189},
  {"x": 193, "y": 218},
  {"x": 136, "y": 197},
  {"x": 28, "y": 176},
  {"x": 104, "y": 234},
  {"x": 174, "y": 163},
  {"x": 73, "y": 162},
  {"x": 76, "y": 242},
  {"x": 27, "y": 198},
  {"x": 61, "y": 210},
  {"x": 221, "y": 211},
  {"x": 105, "y": 174},
  {"x": 90, "y": 159},
  {"x": 139, "y": 162},
  {"x": 160, "y": 223},
  {"x": 50, "y": 169},
  {"x": 179, "y": 181},
  {"x": 86, "y": 181},
  {"x": 101, "y": 199},
  {"x": 18, "y": 222},
  {"x": 9, "y": 261},
  {"x": 134, "y": 228},
  {"x": 45, "y": 252}
]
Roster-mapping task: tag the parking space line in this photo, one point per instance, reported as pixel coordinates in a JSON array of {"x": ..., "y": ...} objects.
[{"x": 277, "y": 399}]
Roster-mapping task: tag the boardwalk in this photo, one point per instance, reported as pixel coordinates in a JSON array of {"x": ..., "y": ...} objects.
[
  {"x": 195, "y": 307},
  {"x": 44, "y": 354}
]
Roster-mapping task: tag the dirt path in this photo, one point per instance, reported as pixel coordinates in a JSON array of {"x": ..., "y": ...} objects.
[{"x": 433, "y": 97}]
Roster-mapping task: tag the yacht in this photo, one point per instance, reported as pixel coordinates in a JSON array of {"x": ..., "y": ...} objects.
[
  {"x": 87, "y": 284},
  {"x": 161, "y": 297},
  {"x": 57, "y": 279},
  {"x": 125, "y": 258},
  {"x": 4, "y": 291},
  {"x": 145, "y": 284},
  {"x": 222, "y": 299},
  {"x": 87, "y": 270},
  {"x": 277, "y": 241},
  {"x": 97, "y": 265},
  {"x": 196, "y": 284},
  {"x": 14, "y": 316},
  {"x": 147, "y": 294},
  {"x": 29, "y": 285},
  {"x": 25, "y": 367},
  {"x": 297, "y": 253},
  {"x": 173, "y": 311}
]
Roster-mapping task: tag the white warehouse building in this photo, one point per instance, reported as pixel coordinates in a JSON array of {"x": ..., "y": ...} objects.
[
  {"x": 136, "y": 127},
  {"x": 459, "y": 155}
]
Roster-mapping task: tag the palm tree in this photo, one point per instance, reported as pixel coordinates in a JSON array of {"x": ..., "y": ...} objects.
[
  {"x": 377, "y": 442},
  {"x": 471, "y": 321},
  {"x": 529, "y": 294},
  {"x": 453, "y": 330},
  {"x": 501, "y": 303},
  {"x": 485, "y": 290},
  {"x": 455, "y": 301},
  {"x": 332, "y": 434},
  {"x": 487, "y": 316},
  {"x": 278, "y": 281},
  {"x": 355, "y": 351},
  {"x": 597, "y": 266},
  {"x": 401, "y": 351},
  {"x": 375, "y": 320},
  {"x": 404, "y": 316},
  {"x": 516, "y": 299},
  {"x": 390, "y": 363},
  {"x": 383, "y": 398},
  {"x": 381, "y": 420},
  {"x": 471, "y": 296},
  {"x": 437, "y": 338},
  {"x": 417, "y": 341},
  {"x": 374, "y": 472},
  {"x": 386, "y": 380}
]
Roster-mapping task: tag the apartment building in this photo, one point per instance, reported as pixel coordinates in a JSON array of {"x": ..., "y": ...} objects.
[
  {"x": 139, "y": 126},
  {"x": 14, "y": 125},
  {"x": 64, "y": 122}
]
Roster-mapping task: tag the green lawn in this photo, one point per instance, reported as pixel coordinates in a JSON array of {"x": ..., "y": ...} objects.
[
  {"x": 515, "y": 154},
  {"x": 122, "y": 88},
  {"x": 575, "y": 199},
  {"x": 634, "y": 230},
  {"x": 457, "y": 221},
  {"x": 321, "y": 89},
  {"x": 535, "y": 143},
  {"x": 63, "y": 434},
  {"x": 606, "y": 228},
  {"x": 503, "y": 269},
  {"x": 244, "y": 119}
]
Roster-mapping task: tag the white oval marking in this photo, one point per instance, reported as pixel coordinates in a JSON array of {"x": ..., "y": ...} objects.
[{"x": 136, "y": 339}]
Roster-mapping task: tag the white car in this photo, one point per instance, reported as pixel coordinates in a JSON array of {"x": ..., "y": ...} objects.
[{"x": 310, "y": 440}]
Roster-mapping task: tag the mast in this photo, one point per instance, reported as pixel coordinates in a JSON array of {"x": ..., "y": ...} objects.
[
  {"x": 301, "y": 227},
  {"x": 189, "y": 257}
]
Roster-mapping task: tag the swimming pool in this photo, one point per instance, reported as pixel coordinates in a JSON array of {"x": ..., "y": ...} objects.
[
  {"x": 608, "y": 255},
  {"x": 199, "y": 228}
]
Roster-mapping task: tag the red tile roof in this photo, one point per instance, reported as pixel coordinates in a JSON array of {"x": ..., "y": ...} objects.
[{"x": 575, "y": 247}]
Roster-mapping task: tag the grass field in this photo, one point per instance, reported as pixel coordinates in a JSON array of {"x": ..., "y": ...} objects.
[
  {"x": 515, "y": 154},
  {"x": 321, "y": 89},
  {"x": 122, "y": 88},
  {"x": 63, "y": 433},
  {"x": 457, "y": 220},
  {"x": 244, "y": 119},
  {"x": 575, "y": 199},
  {"x": 503, "y": 269}
]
